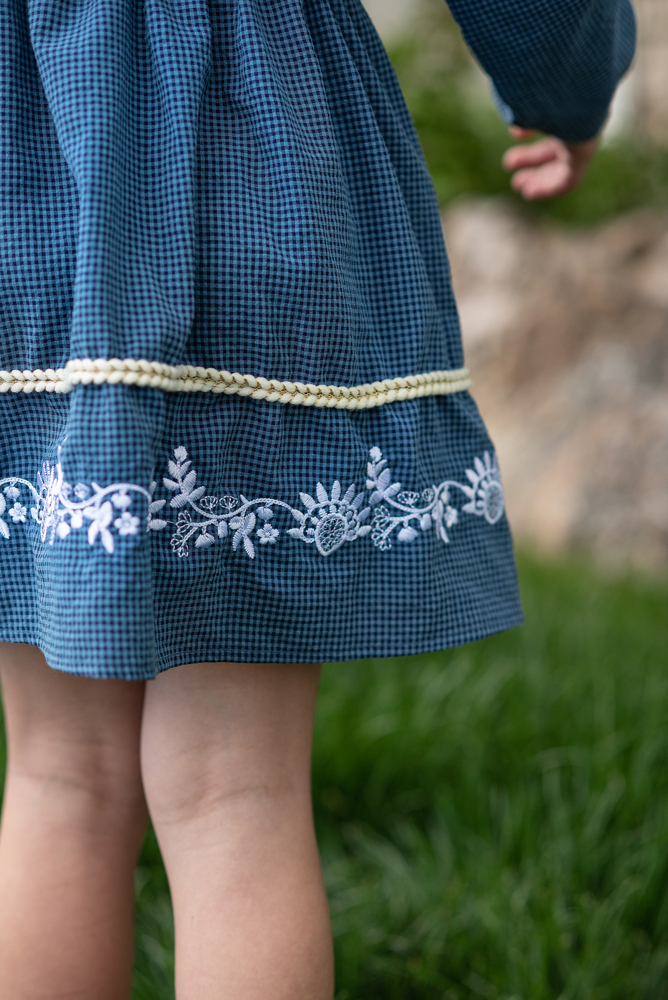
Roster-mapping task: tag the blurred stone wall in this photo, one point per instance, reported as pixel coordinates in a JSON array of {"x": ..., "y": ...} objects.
[{"x": 566, "y": 333}]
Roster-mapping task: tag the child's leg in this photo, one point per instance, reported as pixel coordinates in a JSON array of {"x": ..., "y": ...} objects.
[
  {"x": 72, "y": 823},
  {"x": 226, "y": 764}
]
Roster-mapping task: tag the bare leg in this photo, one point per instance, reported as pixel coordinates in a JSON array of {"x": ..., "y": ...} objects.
[
  {"x": 72, "y": 824},
  {"x": 226, "y": 765}
]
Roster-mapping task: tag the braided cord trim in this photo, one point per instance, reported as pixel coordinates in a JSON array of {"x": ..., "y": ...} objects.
[{"x": 186, "y": 378}]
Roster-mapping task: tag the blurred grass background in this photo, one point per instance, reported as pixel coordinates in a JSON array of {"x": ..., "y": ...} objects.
[
  {"x": 463, "y": 137},
  {"x": 493, "y": 820}
]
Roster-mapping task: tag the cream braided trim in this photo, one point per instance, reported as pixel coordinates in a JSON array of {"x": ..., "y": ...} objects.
[{"x": 186, "y": 378}]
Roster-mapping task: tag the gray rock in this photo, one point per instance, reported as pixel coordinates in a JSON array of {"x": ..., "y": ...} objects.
[{"x": 566, "y": 333}]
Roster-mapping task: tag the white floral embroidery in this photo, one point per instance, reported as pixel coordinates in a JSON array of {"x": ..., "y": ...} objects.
[
  {"x": 432, "y": 508},
  {"x": 329, "y": 519},
  {"x": 57, "y": 514}
]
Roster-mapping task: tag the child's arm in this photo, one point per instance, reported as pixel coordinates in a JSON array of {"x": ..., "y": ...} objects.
[{"x": 554, "y": 63}]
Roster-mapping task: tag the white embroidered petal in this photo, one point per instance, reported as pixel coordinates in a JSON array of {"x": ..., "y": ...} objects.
[
  {"x": 76, "y": 519},
  {"x": 180, "y": 454},
  {"x": 127, "y": 524},
  {"x": 204, "y": 540},
  {"x": 364, "y": 530},
  {"x": 249, "y": 547},
  {"x": 173, "y": 469},
  {"x": 375, "y": 498},
  {"x": 444, "y": 535},
  {"x": 169, "y": 484},
  {"x": 295, "y": 532},
  {"x": 321, "y": 493},
  {"x": 363, "y": 514},
  {"x": 479, "y": 467},
  {"x": 4, "y": 530},
  {"x": 11, "y": 492},
  {"x": 155, "y": 524},
  {"x": 425, "y": 522},
  {"x": 407, "y": 534},
  {"x": 223, "y": 530},
  {"x": 305, "y": 498},
  {"x": 121, "y": 500},
  {"x": 376, "y": 454},
  {"x": 63, "y": 529},
  {"x": 156, "y": 506}
]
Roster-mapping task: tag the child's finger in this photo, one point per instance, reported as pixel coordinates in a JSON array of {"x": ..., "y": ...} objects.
[
  {"x": 546, "y": 181},
  {"x": 531, "y": 156}
]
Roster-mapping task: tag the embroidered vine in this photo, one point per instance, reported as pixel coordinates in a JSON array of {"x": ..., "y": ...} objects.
[{"x": 327, "y": 520}]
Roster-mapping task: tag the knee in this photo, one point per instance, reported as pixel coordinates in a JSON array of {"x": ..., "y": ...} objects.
[
  {"x": 207, "y": 794},
  {"x": 87, "y": 780}
]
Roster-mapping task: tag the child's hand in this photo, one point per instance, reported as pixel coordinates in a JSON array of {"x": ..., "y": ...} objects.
[{"x": 546, "y": 168}]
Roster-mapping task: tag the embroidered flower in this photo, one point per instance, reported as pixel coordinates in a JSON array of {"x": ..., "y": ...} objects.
[
  {"x": 18, "y": 513},
  {"x": 485, "y": 491},
  {"x": 11, "y": 492},
  {"x": 81, "y": 491},
  {"x": 121, "y": 500},
  {"x": 127, "y": 523},
  {"x": 267, "y": 534}
]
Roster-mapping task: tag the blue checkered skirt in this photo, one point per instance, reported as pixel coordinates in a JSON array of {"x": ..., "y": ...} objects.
[{"x": 235, "y": 185}]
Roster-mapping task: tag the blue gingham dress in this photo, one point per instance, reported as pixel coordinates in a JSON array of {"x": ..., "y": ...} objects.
[{"x": 236, "y": 184}]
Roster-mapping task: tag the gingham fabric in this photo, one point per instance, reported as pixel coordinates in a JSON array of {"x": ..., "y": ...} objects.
[{"x": 236, "y": 184}]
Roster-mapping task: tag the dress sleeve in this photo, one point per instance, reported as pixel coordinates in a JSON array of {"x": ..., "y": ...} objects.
[{"x": 554, "y": 64}]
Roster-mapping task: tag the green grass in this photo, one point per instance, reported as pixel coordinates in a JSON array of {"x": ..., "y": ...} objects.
[{"x": 493, "y": 820}]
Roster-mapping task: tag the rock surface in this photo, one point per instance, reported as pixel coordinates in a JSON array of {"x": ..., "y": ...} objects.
[{"x": 566, "y": 333}]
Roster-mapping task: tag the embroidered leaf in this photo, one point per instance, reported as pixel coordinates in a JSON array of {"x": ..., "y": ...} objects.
[
  {"x": 298, "y": 516},
  {"x": 174, "y": 469},
  {"x": 370, "y": 484},
  {"x": 295, "y": 532},
  {"x": 363, "y": 514},
  {"x": 425, "y": 522},
  {"x": 350, "y": 493},
  {"x": 321, "y": 493},
  {"x": 364, "y": 530},
  {"x": 391, "y": 491},
  {"x": 305, "y": 498},
  {"x": 249, "y": 522},
  {"x": 179, "y": 501},
  {"x": 196, "y": 494},
  {"x": 204, "y": 540},
  {"x": 336, "y": 490},
  {"x": 407, "y": 534},
  {"x": 443, "y": 533},
  {"x": 236, "y": 539},
  {"x": 4, "y": 530},
  {"x": 357, "y": 502},
  {"x": 375, "y": 498},
  {"x": 384, "y": 479},
  {"x": 468, "y": 491},
  {"x": 107, "y": 540},
  {"x": 170, "y": 484},
  {"x": 92, "y": 531},
  {"x": 223, "y": 530},
  {"x": 479, "y": 467},
  {"x": 472, "y": 476},
  {"x": 190, "y": 480},
  {"x": 236, "y": 522},
  {"x": 156, "y": 506},
  {"x": 155, "y": 524},
  {"x": 249, "y": 547}
]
